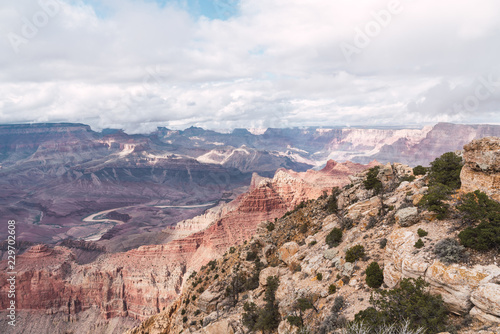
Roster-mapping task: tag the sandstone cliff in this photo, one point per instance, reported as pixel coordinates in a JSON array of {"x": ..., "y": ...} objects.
[
  {"x": 482, "y": 167},
  {"x": 143, "y": 281},
  {"x": 295, "y": 250}
]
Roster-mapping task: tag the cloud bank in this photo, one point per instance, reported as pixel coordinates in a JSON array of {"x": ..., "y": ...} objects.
[{"x": 219, "y": 64}]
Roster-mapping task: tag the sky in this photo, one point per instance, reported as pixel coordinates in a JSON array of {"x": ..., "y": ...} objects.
[{"x": 223, "y": 64}]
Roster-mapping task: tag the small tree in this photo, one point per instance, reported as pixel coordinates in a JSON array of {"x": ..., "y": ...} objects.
[
  {"x": 354, "y": 253},
  {"x": 334, "y": 237},
  {"x": 332, "y": 204},
  {"x": 410, "y": 301},
  {"x": 372, "y": 181},
  {"x": 419, "y": 170},
  {"x": 479, "y": 208},
  {"x": 446, "y": 170},
  {"x": 434, "y": 198},
  {"x": 374, "y": 275}
]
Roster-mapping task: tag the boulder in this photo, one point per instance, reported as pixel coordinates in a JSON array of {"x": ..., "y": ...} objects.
[
  {"x": 407, "y": 216},
  {"x": 330, "y": 254},
  {"x": 218, "y": 327},
  {"x": 455, "y": 284},
  {"x": 207, "y": 301},
  {"x": 392, "y": 276},
  {"x": 481, "y": 169},
  {"x": 287, "y": 251},
  {"x": 477, "y": 313},
  {"x": 487, "y": 298}
]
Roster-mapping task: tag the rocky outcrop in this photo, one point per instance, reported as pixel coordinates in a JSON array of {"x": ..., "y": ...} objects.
[
  {"x": 407, "y": 216},
  {"x": 481, "y": 169},
  {"x": 461, "y": 287}
]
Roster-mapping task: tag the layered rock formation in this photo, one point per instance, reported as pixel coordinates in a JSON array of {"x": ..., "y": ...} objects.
[
  {"x": 481, "y": 169},
  {"x": 296, "y": 252},
  {"x": 143, "y": 281}
]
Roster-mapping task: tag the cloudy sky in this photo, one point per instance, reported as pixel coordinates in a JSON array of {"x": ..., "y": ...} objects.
[{"x": 220, "y": 64}]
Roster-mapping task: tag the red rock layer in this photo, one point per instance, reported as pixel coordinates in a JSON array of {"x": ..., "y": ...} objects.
[{"x": 142, "y": 281}]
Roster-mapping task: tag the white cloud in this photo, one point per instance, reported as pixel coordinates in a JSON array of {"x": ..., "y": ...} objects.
[{"x": 277, "y": 63}]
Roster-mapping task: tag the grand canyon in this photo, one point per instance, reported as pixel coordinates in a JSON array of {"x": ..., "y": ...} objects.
[{"x": 110, "y": 225}]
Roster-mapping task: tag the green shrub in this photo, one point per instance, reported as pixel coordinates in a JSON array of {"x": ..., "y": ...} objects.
[
  {"x": 354, "y": 253},
  {"x": 479, "y": 208},
  {"x": 184, "y": 319},
  {"x": 419, "y": 170},
  {"x": 371, "y": 223},
  {"x": 295, "y": 320},
  {"x": 312, "y": 243},
  {"x": 232, "y": 250},
  {"x": 383, "y": 243},
  {"x": 270, "y": 226},
  {"x": 251, "y": 256},
  {"x": 334, "y": 237},
  {"x": 346, "y": 223},
  {"x": 422, "y": 233},
  {"x": 268, "y": 317},
  {"x": 374, "y": 275},
  {"x": 334, "y": 320},
  {"x": 319, "y": 276},
  {"x": 372, "y": 181},
  {"x": 433, "y": 200},
  {"x": 408, "y": 178},
  {"x": 183, "y": 311},
  {"x": 482, "y": 238},
  {"x": 250, "y": 316},
  {"x": 303, "y": 304},
  {"x": 419, "y": 244},
  {"x": 450, "y": 251},
  {"x": 332, "y": 289},
  {"x": 332, "y": 203},
  {"x": 409, "y": 301},
  {"x": 446, "y": 170},
  {"x": 197, "y": 312}
]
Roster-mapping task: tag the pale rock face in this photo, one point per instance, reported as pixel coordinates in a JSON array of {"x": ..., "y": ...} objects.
[
  {"x": 407, "y": 216},
  {"x": 287, "y": 251},
  {"x": 484, "y": 317},
  {"x": 487, "y": 298},
  {"x": 481, "y": 169},
  {"x": 330, "y": 254},
  {"x": 369, "y": 207},
  {"x": 219, "y": 327},
  {"x": 207, "y": 302},
  {"x": 392, "y": 276},
  {"x": 399, "y": 244},
  {"x": 455, "y": 284}
]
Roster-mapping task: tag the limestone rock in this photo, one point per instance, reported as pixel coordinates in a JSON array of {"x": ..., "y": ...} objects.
[
  {"x": 369, "y": 207},
  {"x": 455, "y": 284},
  {"x": 481, "y": 169},
  {"x": 477, "y": 313},
  {"x": 287, "y": 251},
  {"x": 407, "y": 216},
  {"x": 330, "y": 254},
  {"x": 207, "y": 302},
  {"x": 487, "y": 298},
  {"x": 219, "y": 327},
  {"x": 392, "y": 276}
]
